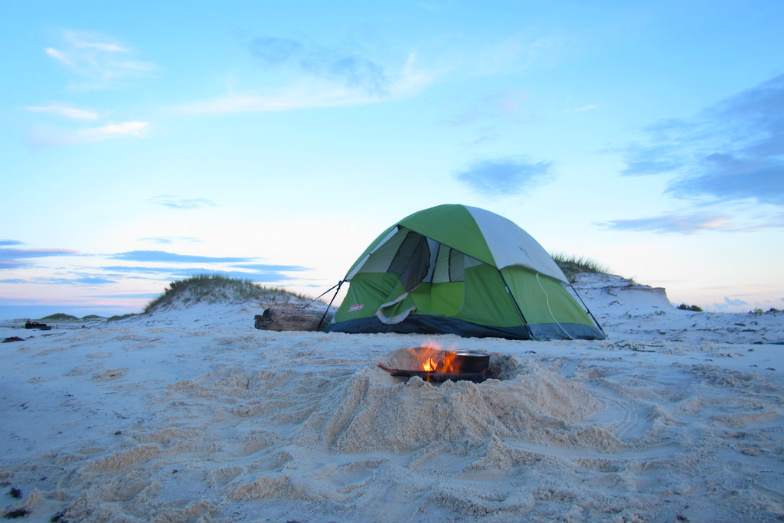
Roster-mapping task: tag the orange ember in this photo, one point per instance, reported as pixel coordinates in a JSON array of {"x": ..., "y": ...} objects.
[{"x": 430, "y": 358}]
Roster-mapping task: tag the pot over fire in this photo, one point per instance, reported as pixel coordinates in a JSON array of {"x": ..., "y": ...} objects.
[{"x": 431, "y": 363}]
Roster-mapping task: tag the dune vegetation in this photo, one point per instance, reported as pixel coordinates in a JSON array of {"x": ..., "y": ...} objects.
[
  {"x": 215, "y": 287},
  {"x": 572, "y": 265}
]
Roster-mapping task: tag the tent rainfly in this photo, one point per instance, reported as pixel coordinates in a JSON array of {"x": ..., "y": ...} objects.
[{"x": 461, "y": 270}]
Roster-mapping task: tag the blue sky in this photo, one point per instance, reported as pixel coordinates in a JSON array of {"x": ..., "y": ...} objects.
[{"x": 145, "y": 142}]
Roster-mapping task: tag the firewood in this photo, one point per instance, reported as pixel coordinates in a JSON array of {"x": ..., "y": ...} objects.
[{"x": 289, "y": 319}]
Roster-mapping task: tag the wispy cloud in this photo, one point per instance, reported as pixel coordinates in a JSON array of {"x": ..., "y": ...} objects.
[
  {"x": 11, "y": 258},
  {"x": 175, "y": 265},
  {"x": 503, "y": 176},
  {"x": 729, "y": 304},
  {"x": 731, "y": 151},
  {"x": 169, "y": 240},
  {"x": 77, "y": 279},
  {"x": 736, "y": 176},
  {"x": 347, "y": 67},
  {"x": 170, "y": 257},
  {"x": 48, "y": 135},
  {"x": 316, "y": 77},
  {"x": 96, "y": 61},
  {"x": 64, "y": 110},
  {"x": 264, "y": 267},
  {"x": 121, "y": 129},
  {"x": 261, "y": 273},
  {"x": 173, "y": 202},
  {"x": 674, "y": 223}
]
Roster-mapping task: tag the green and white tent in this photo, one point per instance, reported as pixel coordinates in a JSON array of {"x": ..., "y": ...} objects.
[{"x": 461, "y": 270}]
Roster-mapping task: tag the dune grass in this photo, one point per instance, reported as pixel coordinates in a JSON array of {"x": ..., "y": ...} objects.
[
  {"x": 214, "y": 287},
  {"x": 61, "y": 317},
  {"x": 572, "y": 265}
]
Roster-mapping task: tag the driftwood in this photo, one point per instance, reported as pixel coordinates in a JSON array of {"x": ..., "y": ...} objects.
[
  {"x": 36, "y": 325},
  {"x": 290, "y": 319}
]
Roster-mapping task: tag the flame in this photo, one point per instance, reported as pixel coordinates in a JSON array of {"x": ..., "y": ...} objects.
[{"x": 431, "y": 358}]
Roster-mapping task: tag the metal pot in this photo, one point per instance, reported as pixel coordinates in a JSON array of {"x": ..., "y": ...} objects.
[{"x": 471, "y": 362}]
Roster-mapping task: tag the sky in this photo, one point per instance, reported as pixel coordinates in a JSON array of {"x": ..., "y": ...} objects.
[{"x": 146, "y": 142}]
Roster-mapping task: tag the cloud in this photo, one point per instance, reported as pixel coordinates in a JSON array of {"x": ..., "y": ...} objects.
[
  {"x": 78, "y": 280},
  {"x": 652, "y": 160},
  {"x": 172, "y": 202},
  {"x": 168, "y": 240},
  {"x": 64, "y": 110},
  {"x": 140, "y": 295},
  {"x": 733, "y": 150},
  {"x": 729, "y": 304},
  {"x": 180, "y": 266},
  {"x": 15, "y": 258},
  {"x": 45, "y": 135},
  {"x": 262, "y": 267},
  {"x": 294, "y": 97},
  {"x": 688, "y": 224},
  {"x": 120, "y": 129},
  {"x": 728, "y": 177},
  {"x": 271, "y": 51},
  {"x": 322, "y": 79},
  {"x": 343, "y": 67},
  {"x": 270, "y": 274},
  {"x": 503, "y": 176},
  {"x": 96, "y": 61},
  {"x": 734, "y": 301},
  {"x": 170, "y": 257}
]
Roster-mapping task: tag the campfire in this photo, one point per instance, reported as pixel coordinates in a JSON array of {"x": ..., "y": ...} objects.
[{"x": 433, "y": 363}]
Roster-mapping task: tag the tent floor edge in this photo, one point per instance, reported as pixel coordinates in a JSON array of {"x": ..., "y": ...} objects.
[
  {"x": 424, "y": 324},
  {"x": 555, "y": 331}
]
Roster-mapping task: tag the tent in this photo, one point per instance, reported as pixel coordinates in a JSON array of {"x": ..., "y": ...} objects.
[{"x": 461, "y": 270}]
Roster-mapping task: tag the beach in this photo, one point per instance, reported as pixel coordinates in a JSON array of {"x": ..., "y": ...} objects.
[{"x": 192, "y": 414}]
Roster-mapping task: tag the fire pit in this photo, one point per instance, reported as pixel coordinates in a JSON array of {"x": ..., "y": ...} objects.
[{"x": 433, "y": 364}]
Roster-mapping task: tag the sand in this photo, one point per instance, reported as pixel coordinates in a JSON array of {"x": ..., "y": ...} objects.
[{"x": 191, "y": 414}]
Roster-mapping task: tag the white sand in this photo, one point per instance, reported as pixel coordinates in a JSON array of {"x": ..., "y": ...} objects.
[{"x": 194, "y": 415}]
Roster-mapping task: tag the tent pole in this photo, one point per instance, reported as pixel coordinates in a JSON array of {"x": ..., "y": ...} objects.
[
  {"x": 322, "y": 294},
  {"x": 321, "y": 321},
  {"x": 587, "y": 309}
]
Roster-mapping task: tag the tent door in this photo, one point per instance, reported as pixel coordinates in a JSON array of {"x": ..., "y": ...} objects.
[{"x": 392, "y": 306}]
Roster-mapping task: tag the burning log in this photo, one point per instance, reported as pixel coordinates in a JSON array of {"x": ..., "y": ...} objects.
[
  {"x": 289, "y": 319},
  {"x": 431, "y": 363}
]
